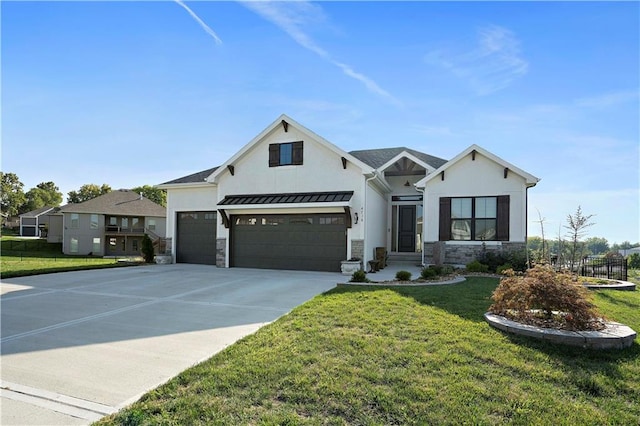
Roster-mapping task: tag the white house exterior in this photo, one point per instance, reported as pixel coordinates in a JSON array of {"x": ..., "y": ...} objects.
[{"x": 290, "y": 199}]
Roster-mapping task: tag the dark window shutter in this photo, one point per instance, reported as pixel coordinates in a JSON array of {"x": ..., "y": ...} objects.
[
  {"x": 274, "y": 155},
  {"x": 503, "y": 218},
  {"x": 297, "y": 153},
  {"x": 445, "y": 219}
]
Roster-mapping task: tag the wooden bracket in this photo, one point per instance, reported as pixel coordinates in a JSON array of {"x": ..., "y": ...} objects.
[
  {"x": 442, "y": 175},
  {"x": 344, "y": 163},
  {"x": 506, "y": 172},
  {"x": 285, "y": 125},
  {"x": 232, "y": 170},
  {"x": 225, "y": 218}
]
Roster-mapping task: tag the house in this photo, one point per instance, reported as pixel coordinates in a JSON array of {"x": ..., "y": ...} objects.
[
  {"x": 112, "y": 224},
  {"x": 35, "y": 222},
  {"x": 630, "y": 251},
  {"x": 290, "y": 199}
]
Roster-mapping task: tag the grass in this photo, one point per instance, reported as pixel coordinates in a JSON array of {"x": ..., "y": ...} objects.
[
  {"x": 414, "y": 355},
  {"x": 22, "y": 257}
]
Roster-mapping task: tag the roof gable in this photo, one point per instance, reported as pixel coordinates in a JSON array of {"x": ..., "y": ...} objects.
[
  {"x": 38, "y": 212},
  {"x": 286, "y": 122},
  {"x": 471, "y": 150},
  {"x": 378, "y": 158},
  {"x": 120, "y": 202}
]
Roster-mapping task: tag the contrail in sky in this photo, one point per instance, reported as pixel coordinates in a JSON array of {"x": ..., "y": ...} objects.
[{"x": 200, "y": 21}]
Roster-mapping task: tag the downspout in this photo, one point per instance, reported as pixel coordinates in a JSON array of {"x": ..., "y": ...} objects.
[
  {"x": 423, "y": 223},
  {"x": 366, "y": 187}
]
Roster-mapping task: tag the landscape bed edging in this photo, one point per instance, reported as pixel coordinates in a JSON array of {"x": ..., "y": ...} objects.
[{"x": 614, "y": 336}]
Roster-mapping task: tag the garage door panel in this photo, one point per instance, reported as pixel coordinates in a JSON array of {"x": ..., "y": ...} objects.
[
  {"x": 301, "y": 242},
  {"x": 196, "y": 237}
]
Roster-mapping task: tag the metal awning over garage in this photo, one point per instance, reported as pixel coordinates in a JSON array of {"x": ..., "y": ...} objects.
[
  {"x": 315, "y": 199},
  {"x": 293, "y": 198}
]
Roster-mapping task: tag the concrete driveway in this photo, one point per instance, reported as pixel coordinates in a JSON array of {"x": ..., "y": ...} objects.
[{"x": 80, "y": 345}]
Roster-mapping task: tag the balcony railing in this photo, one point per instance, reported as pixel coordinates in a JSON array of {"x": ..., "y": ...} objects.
[{"x": 118, "y": 230}]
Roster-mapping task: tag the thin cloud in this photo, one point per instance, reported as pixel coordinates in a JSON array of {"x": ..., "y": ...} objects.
[
  {"x": 204, "y": 26},
  {"x": 610, "y": 99},
  {"x": 492, "y": 65},
  {"x": 291, "y": 16}
]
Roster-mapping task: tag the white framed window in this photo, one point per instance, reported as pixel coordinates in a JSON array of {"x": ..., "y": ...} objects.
[
  {"x": 152, "y": 224},
  {"x": 73, "y": 245},
  {"x": 96, "y": 245},
  {"x": 125, "y": 222},
  {"x": 75, "y": 221},
  {"x": 94, "y": 221}
]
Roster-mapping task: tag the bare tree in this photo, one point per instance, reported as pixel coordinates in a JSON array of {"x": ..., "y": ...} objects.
[
  {"x": 543, "y": 256},
  {"x": 577, "y": 225}
]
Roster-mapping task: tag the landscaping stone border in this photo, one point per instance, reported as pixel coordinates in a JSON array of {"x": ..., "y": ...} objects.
[
  {"x": 623, "y": 286},
  {"x": 614, "y": 336},
  {"x": 406, "y": 283}
]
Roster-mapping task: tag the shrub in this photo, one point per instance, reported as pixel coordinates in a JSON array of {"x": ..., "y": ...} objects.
[
  {"x": 517, "y": 259},
  {"x": 476, "y": 266},
  {"x": 147, "y": 249},
  {"x": 634, "y": 261},
  {"x": 546, "y": 298},
  {"x": 428, "y": 273},
  {"x": 403, "y": 276},
  {"x": 359, "y": 276},
  {"x": 502, "y": 268},
  {"x": 447, "y": 269}
]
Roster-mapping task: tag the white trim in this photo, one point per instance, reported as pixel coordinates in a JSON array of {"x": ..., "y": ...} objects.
[
  {"x": 411, "y": 157},
  {"x": 529, "y": 178},
  {"x": 213, "y": 178},
  {"x": 185, "y": 185}
]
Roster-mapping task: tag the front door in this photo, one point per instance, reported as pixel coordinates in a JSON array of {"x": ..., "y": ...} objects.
[{"x": 407, "y": 228}]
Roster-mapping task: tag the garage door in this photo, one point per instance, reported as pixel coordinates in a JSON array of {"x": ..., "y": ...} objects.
[
  {"x": 196, "y": 237},
  {"x": 315, "y": 242}
]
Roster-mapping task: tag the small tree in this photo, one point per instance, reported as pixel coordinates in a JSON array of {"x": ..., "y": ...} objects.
[
  {"x": 546, "y": 298},
  {"x": 577, "y": 224},
  {"x": 147, "y": 249}
]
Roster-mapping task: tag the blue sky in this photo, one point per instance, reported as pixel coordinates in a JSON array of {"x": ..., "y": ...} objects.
[{"x": 133, "y": 93}]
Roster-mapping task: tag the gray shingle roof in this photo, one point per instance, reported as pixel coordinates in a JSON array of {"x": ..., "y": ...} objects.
[
  {"x": 37, "y": 212},
  {"x": 378, "y": 157},
  {"x": 120, "y": 202},
  {"x": 196, "y": 177}
]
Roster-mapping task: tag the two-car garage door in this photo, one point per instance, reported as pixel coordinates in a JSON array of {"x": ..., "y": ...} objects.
[{"x": 311, "y": 242}]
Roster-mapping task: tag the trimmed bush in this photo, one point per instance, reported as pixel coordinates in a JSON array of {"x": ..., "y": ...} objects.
[
  {"x": 359, "y": 276},
  {"x": 476, "y": 266},
  {"x": 634, "y": 261},
  {"x": 403, "y": 276},
  {"x": 147, "y": 249},
  {"x": 545, "y": 298},
  {"x": 428, "y": 273}
]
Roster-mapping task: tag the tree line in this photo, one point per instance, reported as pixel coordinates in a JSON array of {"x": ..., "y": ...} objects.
[{"x": 14, "y": 201}]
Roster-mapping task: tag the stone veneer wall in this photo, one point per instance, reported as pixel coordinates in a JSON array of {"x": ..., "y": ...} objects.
[
  {"x": 438, "y": 252},
  {"x": 357, "y": 249},
  {"x": 221, "y": 246}
]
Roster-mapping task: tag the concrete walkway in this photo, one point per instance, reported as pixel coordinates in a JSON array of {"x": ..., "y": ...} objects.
[{"x": 80, "y": 345}]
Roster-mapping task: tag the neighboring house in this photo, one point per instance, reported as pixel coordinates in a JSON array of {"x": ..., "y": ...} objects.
[
  {"x": 290, "y": 199},
  {"x": 627, "y": 252},
  {"x": 112, "y": 224},
  {"x": 35, "y": 222}
]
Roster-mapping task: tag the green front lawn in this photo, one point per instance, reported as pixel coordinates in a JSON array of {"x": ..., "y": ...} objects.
[
  {"x": 21, "y": 257},
  {"x": 414, "y": 355}
]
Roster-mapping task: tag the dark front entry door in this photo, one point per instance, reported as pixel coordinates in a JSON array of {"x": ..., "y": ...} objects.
[{"x": 407, "y": 228}]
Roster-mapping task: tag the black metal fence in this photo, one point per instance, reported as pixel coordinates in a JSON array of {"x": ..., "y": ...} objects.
[{"x": 614, "y": 268}]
